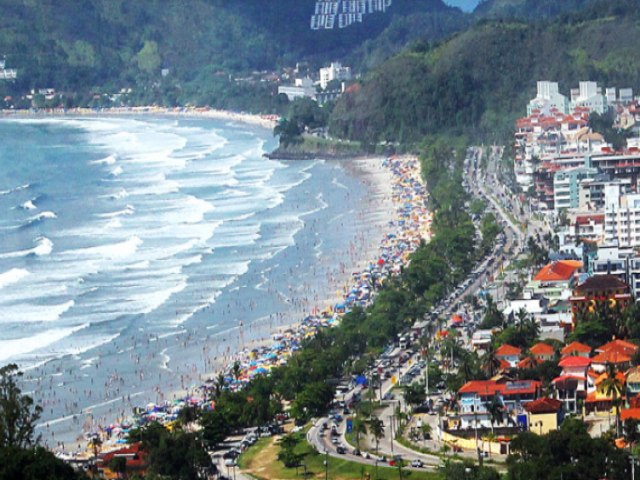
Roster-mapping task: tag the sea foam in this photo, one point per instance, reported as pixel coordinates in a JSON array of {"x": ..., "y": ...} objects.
[{"x": 12, "y": 276}]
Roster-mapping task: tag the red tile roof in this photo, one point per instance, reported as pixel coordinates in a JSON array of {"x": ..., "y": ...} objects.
[
  {"x": 507, "y": 350},
  {"x": 490, "y": 387},
  {"x": 611, "y": 357},
  {"x": 574, "y": 361},
  {"x": 527, "y": 363},
  {"x": 586, "y": 219},
  {"x": 135, "y": 455},
  {"x": 628, "y": 413},
  {"x": 504, "y": 365},
  {"x": 543, "y": 405},
  {"x": 575, "y": 347},
  {"x": 568, "y": 378},
  {"x": 618, "y": 345},
  {"x": 559, "y": 271},
  {"x": 542, "y": 349}
]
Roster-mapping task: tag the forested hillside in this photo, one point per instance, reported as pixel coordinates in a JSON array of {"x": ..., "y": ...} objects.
[
  {"x": 104, "y": 45},
  {"x": 533, "y": 9},
  {"x": 481, "y": 79}
]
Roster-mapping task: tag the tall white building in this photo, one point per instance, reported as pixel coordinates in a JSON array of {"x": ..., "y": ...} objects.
[
  {"x": 548, "y": 97},
  {"x": 621, "y": 216},
  {"x": 589, "y": 94},
  {"x": 334, "y": 72}
]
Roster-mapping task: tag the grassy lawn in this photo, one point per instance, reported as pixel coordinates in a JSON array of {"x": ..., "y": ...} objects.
[{"x": 260, "y": 461}]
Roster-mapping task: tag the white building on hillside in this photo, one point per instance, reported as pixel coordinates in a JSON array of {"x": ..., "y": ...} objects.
[
  {"x": 547, "y": 98},
  {"x": 589, "y": 95},
  {"x": 334, "y": 72},
  {"x": 303, "y": 88},
  {"x": 621, "y": 217}
]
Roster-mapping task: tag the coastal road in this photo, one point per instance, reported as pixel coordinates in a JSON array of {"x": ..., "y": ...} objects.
[{"x": 514, "y": 240}]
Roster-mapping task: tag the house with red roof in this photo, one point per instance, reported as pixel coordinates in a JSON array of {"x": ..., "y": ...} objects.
[
  {"x": 509, "y": 354},
  {"x": 600, "y": 400},
  {"x": 576, "y": 349},
  {"x": 528, "y": 363},
  {"x": 543, "y": 352},
  {"x": 574, "y": 383},
  {"x": 135, "y": 456},
  {"x": 617, "y": 352},
  {"x": 556, "y": 280},
  {"x": 477, "y": 394},
  {"x": 544, "y": 415}
]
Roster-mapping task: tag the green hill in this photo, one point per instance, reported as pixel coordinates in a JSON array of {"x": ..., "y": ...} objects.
[
  {"x": 104, "y": 45},
  {"x": 538, "y": 9},
  {"x": 480, "y": 80}
]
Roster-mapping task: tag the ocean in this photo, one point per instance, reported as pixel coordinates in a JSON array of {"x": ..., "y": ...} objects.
[{"x": 137, "y": 253}]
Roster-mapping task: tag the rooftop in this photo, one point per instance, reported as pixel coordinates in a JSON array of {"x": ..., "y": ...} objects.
[
  {"x": 542, "y": 349},
  {"x": 575, "y": 347},
  {"x": 507, "y": 350},
  {"x": 561, "y": 270},
  {"x": 602, "y": 282},
  {"x": 574, "y": 361},
  {"x": 543, "y": 405}
]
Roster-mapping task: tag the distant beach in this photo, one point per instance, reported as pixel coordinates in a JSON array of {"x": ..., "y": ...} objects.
[{"x": 266, "y": 121}]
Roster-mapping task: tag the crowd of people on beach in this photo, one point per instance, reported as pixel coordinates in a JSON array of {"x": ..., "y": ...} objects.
[{"x": 405, "y": 232}]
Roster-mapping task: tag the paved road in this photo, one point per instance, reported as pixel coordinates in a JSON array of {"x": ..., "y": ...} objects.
[{"x": 481, "y": 185}]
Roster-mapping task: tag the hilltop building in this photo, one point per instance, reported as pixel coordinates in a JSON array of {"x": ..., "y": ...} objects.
[
  {"x": 589, "y": 95},
  {"x": 329, "y": 14},
  {"x": 547, "y": 99},
  {"x": 335, "y": 71}
]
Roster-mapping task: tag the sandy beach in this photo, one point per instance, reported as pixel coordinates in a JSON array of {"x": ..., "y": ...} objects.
[
  {"x": 266, "y": 121},
  {"x": 385, "y": 233},
  {"x": 398, "y": 220}
]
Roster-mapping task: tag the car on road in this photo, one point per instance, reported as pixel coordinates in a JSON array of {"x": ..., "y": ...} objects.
[
  {"x": 417, "y": 463},
  {"x": 341, "y": 450}
]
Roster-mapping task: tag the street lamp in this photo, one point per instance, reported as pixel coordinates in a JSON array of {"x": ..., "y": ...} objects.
[{"x": 326, "y": 464}]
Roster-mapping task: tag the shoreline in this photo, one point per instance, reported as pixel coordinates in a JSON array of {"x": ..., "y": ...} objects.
[
  {"x": 383, "y": 204},
  {"x": 265, "y": 121},
  {"x": 390, "y": 188}
]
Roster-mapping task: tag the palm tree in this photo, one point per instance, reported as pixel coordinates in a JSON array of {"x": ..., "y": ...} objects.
[
  {"x": 219, "y": 385},
  {"x": 522, "y": 318},
  {"x": 614, "y": 386},
  {"x": 495, "y": 410},
  {"x": 490, "y": 438},
  {"x": 95, "y": 443},
  {"x": 376, "y": 428},
  {"x": 490, "y": 362},
  {"x": 466, "y": 366},
  {"x": 359, "y": 428},
  {"x": 236, "y": 370}
]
